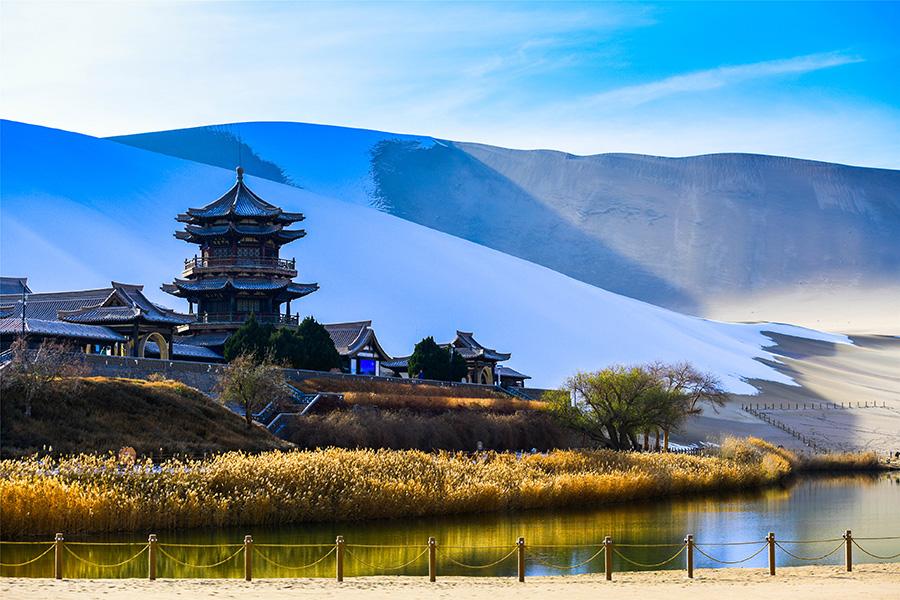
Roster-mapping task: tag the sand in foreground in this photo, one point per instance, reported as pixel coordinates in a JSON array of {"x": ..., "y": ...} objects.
[{"x": 869, "y": 582}]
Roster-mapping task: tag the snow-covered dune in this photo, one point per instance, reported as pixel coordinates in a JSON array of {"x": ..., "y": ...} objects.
[
  {"x": 734, "y": 236},
  {"x": 79, "y": 211}
]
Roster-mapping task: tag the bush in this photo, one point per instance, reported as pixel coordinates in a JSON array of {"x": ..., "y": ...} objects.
[{"x": 431, "y": 361}]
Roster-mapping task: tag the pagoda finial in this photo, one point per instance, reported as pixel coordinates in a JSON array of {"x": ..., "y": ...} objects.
[{"x": 240, "y": 173}]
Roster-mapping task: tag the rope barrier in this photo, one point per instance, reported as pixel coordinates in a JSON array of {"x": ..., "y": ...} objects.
[
  {"x": 730, "y": 562},
  {"x": 864, "y": 551},
  {"x": 568, "y": 567},
  {"x": 37, "y": 543},
  {"x": 281, "y": 566},
  {"x": 28, "y": 562},
  {"x": 792, "y": 555},
  {"x": 810, "y": 541},
  {"x": 101, "y": 566},
  {"x": 200, "y": 545},
  {"x": 729, "y": 543},
  {"x": 255, "y": 545},
  {"x": 394, "y": 568},
  {"x": 648, "y": 545},
  {"x": 382, "y": 546},
  {"x": 651, "y": 565},
  {"x": 106, "y": 543},
  {"x": 466, "y": 566},
  {"x": 184, "y": 564}
]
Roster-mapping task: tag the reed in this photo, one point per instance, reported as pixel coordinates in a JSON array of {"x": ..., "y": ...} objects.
[{"x": 89, "y": 493}]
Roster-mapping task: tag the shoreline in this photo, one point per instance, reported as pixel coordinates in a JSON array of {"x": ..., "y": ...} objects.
[{"x": 873, "y": 581}]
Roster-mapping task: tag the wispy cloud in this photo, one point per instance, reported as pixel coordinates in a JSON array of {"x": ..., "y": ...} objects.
[{"x": 711, "y": 79}]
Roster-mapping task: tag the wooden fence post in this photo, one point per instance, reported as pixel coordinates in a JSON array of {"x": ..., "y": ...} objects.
[
  {"x": 248, "y": 557},
  {"x": 59, "y": 544},
  {"x": 689, "y": 541},
  {"x": 432, "y": 559},
  {"x": 520, "y": 563},
  {"x": 607, "y": 556},
  {"x": 771, "y": 540},
  {"x": 151, "y": 556},
  {"x": 339, "y": 558},
  {"x": 848, "y": 551}
]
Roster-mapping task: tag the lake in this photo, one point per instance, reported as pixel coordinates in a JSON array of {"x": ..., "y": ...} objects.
[{"x": 811, "y": 508}]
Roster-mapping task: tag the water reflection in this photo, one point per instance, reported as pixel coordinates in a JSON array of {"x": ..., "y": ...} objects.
[{"x": 807, "y": 509}]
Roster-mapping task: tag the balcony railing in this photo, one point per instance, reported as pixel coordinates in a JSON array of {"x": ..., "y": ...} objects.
[
  {"x": 203, "y": 262},
  {"x": 240, "y": 317}
]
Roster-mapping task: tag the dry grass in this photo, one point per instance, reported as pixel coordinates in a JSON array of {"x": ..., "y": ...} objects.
[
  {"x": 754, "y": 449},
  {"x": 448, "y": 430},
  {"x": 417, "y": 396},
  {"x": 90, "y": 493},
  {"x": 103, "y": 414}
]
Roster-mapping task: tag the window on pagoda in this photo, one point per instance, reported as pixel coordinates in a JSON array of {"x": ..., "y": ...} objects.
[
  {"x": 248, "y": 251},
  {"x": 245, "y": 305}
]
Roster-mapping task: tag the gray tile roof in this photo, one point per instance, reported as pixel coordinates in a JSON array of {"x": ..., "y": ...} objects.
[
  {"x": 275, "y": 231},
  {"x": 204, "y": 339},
  {"x": 511, "y": 373},
  {"x": 350, "y": 338},
  {"x": 184, "y": 351},
  {"x": 14, "y": 285},
  {"x": 241, "y": 201},
  {"x": 13, "y": 325}
]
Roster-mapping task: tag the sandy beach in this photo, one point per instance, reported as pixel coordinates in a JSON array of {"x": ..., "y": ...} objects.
[{"x": 871, "y": 582}]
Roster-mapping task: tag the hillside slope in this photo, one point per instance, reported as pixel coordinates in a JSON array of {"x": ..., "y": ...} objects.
[
  {"x": 101, "y": 415},
  {"x": 735, "y": 236}
]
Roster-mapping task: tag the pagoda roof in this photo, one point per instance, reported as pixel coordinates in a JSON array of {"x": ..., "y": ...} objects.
[
  {"x": 13, "y": 325},
  {"x": 114, "y": 305},
  {"x": 351, "y": 338},
  {"x": 204, "y": 339},
  {"x": 193, "y": 233},
  {"x": 14, "y": 285},
  {"x": 189, "y": 287},
  {"x": 466, "y": 345},
  {"x": 184, "y": 351},
  {"x": 240, "y": 202},
  {"x": 511, "y": 373}
]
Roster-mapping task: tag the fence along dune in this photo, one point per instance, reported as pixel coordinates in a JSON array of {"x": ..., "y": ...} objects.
[{"x": 88, "y": 493}]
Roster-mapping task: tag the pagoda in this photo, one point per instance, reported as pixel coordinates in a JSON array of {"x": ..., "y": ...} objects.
[{"x": 238, "y": 271}]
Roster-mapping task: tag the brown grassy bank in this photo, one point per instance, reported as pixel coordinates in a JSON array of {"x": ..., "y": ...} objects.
[
  {"x": 102, "y": 414},
  {"x": 449, "y": 430},
  {"x": 89, "y": 493},
  {"x": 417, "y": 396}
]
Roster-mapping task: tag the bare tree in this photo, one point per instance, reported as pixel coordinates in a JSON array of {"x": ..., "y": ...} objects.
[
  {"x": 689, "y": 389},
  {"x": 32, "y": 371},
  {"x": 251, "y": 384}
]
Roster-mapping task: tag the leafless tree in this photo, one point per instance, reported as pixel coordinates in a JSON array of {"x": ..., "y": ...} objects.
[
  {"x": 252, "y": 384},
  {"x": 32, "y": 371},
  {"x": 693, "y": 387}
]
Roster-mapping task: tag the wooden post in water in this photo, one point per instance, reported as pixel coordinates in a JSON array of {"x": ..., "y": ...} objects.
[
  {"x": 339, "y": 558},
  {"x": 151, "y": 556},
  {"x": 59, "y": 544},
  {"x": 432, "y": 559},
  {"x": 689, "y": 542},
  {"x": 248, "y": 557},
  {"x": 520, "y": 554},
  {"x": 607, "y": 556},
  {"x": 848, "y": 551},
  {"x": 771, "y": 540}
]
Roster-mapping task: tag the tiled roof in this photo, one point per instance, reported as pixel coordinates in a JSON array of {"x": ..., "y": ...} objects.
[
  {"x": 512, "y": 373},
  {"x": 93, "y": 306},
  {"x": 284, "y": 236},
  {"x": 190, "y": 286},
  {"x": 467, "y": 346},
  {"x": 350, "y": 338},
  {"x": 184, "y": 351},
  {"x": 401, "y": 362},
  {"x": 13, "y": 325},
  {"x": 241, "y": 201},
  {"x": 14, "y": 285},
  {"x": 204, "y": 339}
]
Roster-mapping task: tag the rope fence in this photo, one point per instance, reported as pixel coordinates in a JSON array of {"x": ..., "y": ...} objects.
[{"x": 339, "y": 552}]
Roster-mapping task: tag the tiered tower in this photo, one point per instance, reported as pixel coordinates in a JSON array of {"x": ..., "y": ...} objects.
[{"x": 238, "y": 271}]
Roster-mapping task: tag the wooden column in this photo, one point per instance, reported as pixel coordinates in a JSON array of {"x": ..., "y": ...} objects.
[
  {"x": 59, "y": 545},
  {"x": 607, "y": 556},
  {"x": 689, "y": 542},
  {"x": 771, "y": 541},
  {"x": 848, "y": 550},
  {"x": 339, "y": 558},
  {"x": 151, "y": 556},
  {"x": 520, "y": 552},
  {"x": 432, "y": 559},
  {"x": 248, "y": 557}
]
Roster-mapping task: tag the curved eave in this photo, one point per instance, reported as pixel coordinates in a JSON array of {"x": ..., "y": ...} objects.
[{"x": 197, "y": 234}]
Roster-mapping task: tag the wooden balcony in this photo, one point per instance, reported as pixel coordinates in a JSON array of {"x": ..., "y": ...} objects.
[
  {"x": 200, "y": 264},
  {"x": 237, "y": 317}
]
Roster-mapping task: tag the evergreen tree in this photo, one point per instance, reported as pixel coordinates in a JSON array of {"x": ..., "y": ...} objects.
[
  {"x": 319, "y": 353},
  {"x": 251, "y": 338},
  {"x": 434, "y": 362}
]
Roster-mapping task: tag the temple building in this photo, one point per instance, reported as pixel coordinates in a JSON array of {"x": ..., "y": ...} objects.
[
  {"x": 481, "y": 362},
  {"x": 117, "y": 321},
  {"x": 361, "y": 354},
  {"x": 238, "y": 270}
]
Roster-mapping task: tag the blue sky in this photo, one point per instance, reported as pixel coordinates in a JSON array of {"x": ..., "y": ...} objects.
[{"x": 812, "y": 80}]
